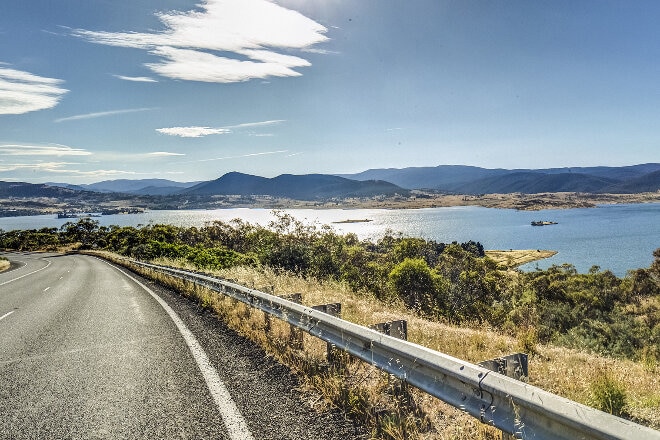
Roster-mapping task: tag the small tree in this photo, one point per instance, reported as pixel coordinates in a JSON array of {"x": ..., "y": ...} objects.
[{"x": 420, "y": 287}]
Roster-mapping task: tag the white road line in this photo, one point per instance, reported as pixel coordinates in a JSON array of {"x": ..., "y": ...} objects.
[
  {"x": 23, "y": 276},
  {"x": 234, "y": 422},
  {"x": 6, "y": 314}
]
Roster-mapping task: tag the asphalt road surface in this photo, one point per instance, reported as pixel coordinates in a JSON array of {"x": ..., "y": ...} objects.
[{"x": 88, "y": 351}]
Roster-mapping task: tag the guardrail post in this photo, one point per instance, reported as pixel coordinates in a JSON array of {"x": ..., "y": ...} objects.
[
  {"x": 295, "y": 334},
  {"x": 515, "y": 366},
  {"x": 332, "y": 354},
  {"x": 397, "y": 329}
]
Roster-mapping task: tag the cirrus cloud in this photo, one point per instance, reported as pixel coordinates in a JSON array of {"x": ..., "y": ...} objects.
[
  {"x": 251, "y": 35},
  {"x": 192, "y": 132},
  {"x": 41, "y": 150},
  {"x": 23, "y": 92},
  {"x": 195, "y": 132},
  {"x": 136, "y": 78},
  {"x": 163, "y": 154}
]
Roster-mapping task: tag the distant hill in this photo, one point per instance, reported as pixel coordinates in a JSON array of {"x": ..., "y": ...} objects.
[
  {"x": 534, "y": 182},
  {"x": 23, "y": 189},
  {"x": 475, "y": 180},
  {"x": 427, "y": 177},
  {"x": 299, "y": 187},
  {"x": 127, "y": 186},
  {"x": 646, "y": 183}
]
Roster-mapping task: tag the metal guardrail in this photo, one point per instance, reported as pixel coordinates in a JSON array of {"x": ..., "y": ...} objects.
[{"x": 515, "y": 407}]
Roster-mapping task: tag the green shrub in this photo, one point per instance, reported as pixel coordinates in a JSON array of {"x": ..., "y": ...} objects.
[{"x": 420, "y": 287}]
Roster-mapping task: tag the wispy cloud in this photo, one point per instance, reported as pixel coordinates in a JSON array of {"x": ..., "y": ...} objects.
[
  {"x": 63, "y": 169},
  {"x": 320, "y": 51},
  {"x": 163, "y": 154},
  {"x": 257, "y": 124},
  {"x": 192, "y": 132},
  {"x": 102, "y": 114},
  {"x": 259, "y": 30},
  {"x": 23, "y": 92},
  {"x": 195, "y": 132},
  {"x": 41, "y": 150},
  {"x": 51, "y": 167},
  {"x": 265, "y": 153},
  {"x": 136, "y": 78}
]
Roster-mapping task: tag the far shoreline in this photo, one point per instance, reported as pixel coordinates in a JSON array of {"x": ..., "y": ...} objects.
[{"x": 417, "y": 200}]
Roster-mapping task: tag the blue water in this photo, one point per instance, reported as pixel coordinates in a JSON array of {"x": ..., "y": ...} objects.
[{"x": 614, "y": 237}]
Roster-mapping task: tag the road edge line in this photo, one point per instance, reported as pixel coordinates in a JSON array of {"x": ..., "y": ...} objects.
[
  {"x": 27, "y": 274},
  {"x": 233, "y": 419}
]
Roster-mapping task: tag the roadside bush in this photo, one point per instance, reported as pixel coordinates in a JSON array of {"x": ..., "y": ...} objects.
[
  {"x": 420, "y": 287},
  {"x": 214, "y": 258}
]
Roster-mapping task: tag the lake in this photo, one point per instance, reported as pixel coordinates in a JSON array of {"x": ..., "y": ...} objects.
[{"x": 614, "y": 237}]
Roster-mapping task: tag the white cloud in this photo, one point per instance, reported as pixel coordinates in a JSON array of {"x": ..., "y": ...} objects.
[
  {"x": 192, "y": 132},
  {"x": 265, "y": 153},
  {"x": 60, "y": 168},
  {"x": 136, "y": 78},
  {"x": 41, "y": 150},
  {"x": 163, "y": 154},
  {"x": 193, "y": 65},
  {"x": 257, "y": 29},
  {"x": 102, "y": 114},
  {"x": 257, "y": 124},
  {"x": 52, "y": 167},
  {"x": 23, "y": 92}
]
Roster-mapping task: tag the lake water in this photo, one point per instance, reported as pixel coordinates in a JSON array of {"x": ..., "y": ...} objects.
[{"x": 615, "y": 237}]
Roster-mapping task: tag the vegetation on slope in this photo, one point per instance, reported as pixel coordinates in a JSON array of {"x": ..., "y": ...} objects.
[{"x": 454, "y": 282}]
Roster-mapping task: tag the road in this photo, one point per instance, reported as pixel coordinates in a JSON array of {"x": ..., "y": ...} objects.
[{"x": 88, "y": 350}]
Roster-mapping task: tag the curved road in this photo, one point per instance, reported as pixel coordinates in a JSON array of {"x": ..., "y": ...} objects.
[{"x": 90, "y": 351}]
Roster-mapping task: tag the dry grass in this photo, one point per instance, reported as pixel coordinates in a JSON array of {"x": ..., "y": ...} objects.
[
  {"x": 366, "y": 393},
  {"x": 4, "y": 264}
]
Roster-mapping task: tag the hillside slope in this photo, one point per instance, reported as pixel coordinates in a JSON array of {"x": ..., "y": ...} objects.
[{"x": 300, "y": 187}]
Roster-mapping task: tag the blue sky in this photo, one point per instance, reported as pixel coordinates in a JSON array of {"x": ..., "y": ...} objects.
[{"x": 93, "y": 90}]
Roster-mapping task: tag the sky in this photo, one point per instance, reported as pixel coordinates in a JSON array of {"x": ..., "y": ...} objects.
[{"x": 94, "y": 90}]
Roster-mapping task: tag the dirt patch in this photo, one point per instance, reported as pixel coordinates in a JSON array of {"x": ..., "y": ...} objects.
[{"x": 515, "y": 258}]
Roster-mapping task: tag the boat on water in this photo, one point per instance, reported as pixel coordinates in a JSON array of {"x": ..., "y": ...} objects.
[
  {"x": 65, "y": 214},
  {"x": 543, "y": 223},
  {"x": 363, "y": 220}
]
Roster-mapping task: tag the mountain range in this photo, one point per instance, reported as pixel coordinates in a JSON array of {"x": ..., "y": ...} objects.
[
  {"x": 298, "y": 187},
  {"x": 127, "y": 186},
  {"x": 462, "y": 179},
  {"x": 458, "y": 179}
]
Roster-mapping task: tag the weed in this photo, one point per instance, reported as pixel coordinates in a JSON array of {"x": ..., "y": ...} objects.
[
  {"x": 528, "y": 340},
  {"x": 608, "y": 395}
]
